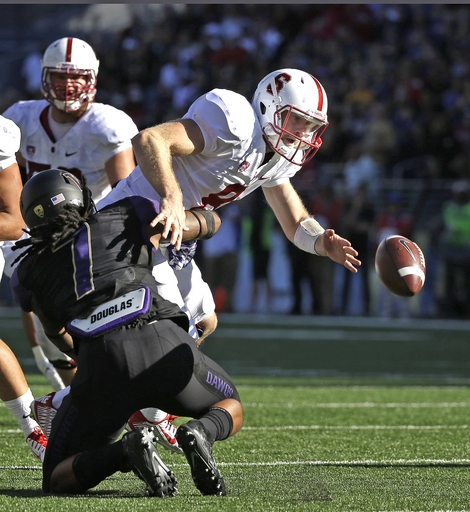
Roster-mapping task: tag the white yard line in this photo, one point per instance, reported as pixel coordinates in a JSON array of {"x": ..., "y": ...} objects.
[
  {"x": 328, "y": 427},
  {"x": 358, "y": 462},
  {"x": 355, "y": 405},
  {"x": 359, "y": 405},
  {"x": 361, "y": 427}
]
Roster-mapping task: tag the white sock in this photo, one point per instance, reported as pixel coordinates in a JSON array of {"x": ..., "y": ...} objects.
[
  {"x": 20, "y": 408},
  {"x": 153, "y": 415},
  {"x": 59, "y": 397}
]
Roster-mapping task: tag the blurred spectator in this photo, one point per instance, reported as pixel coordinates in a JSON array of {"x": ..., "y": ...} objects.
[
  {"x": 360, "y": 169},
  {"x": 379, "y": 136},
  {"x": 392, "y": 220},
  {"x": 438, "y": 140},
  {"x": 270, "y": 38},
  {"x": 315, "y": 272},
  {"x": 262, "y": 223},
  {"x": 31, "y": 71},
  {"x": 455, "y": 251},
  {"x": 171, "y": 75},
  {"x": 220, "y": 258},
  {"x": 357, "y": 221},
  {"x": 135, "y": 107},
  {"x": 406, "y": 127},
  {"x": 188, "y": 91}
]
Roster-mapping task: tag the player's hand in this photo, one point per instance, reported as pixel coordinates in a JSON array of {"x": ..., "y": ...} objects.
[
  {"x": 338, "y": 249},
  {"x": 173, "y": 218}
]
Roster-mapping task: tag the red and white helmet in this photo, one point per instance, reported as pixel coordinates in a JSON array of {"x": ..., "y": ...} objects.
[
  {"x": 69, "y": 55},
  {"x": 285, "y": 92}
]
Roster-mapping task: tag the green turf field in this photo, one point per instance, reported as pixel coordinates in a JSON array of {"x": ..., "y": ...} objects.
[{"x": 354, "y": 416}]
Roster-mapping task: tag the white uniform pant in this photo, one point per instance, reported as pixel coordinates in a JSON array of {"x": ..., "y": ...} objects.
[{"x": 184, "y": 287}]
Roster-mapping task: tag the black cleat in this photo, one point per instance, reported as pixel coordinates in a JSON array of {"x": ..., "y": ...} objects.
[
  {"x": 141, "y": 454},
  {"x": 196, "y": 443}
]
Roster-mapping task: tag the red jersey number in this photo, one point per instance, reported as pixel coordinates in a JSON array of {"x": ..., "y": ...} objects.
[{"x": 213, "y": 201}]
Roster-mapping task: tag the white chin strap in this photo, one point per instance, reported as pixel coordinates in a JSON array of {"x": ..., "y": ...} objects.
[{"x": 71, "y": 106}]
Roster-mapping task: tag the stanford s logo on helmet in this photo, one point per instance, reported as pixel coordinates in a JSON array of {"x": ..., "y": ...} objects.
[
  {"x": 279, "y": 82},
  {"x": 46, "y": 193},
  {"x": 288, "y": 92},
  {"x": 69, "y": 56}
]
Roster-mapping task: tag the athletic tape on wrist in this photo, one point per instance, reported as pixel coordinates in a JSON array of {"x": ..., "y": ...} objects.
[
  {"x": 307, "y": 234},
  {"x": 199, "y": 222},
  {"x": 209, "y": 221}
]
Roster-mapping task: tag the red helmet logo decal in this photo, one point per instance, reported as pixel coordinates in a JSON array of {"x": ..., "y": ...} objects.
[{"x": 280, "y": 81}]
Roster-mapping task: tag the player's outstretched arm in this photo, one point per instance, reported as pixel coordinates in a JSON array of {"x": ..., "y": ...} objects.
[
  {"x": 337, "y": 249},
  {"x": 154, "y": 148}
]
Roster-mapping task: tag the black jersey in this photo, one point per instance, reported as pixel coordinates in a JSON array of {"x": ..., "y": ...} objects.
[{"x": 105, "y": 258}]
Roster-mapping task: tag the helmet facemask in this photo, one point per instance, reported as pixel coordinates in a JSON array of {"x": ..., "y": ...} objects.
[
  {"x": 278, "y": 135},
  {"x": 70, "y": 95}
]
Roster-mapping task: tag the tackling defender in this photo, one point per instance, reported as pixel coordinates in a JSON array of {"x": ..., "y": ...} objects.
[
  {"x": 90, "y": 274},
  {"x": 69, "y": 130}
]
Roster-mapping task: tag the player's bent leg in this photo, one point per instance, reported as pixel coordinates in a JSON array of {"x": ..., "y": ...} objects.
[
  {"x": 198, "y": 301},
  {"x": 63, "y": 480},
  {"x": 206, "y": 327},
  {"x": 210, "y": 390},
  {"x": 45, "y": 408},
  {"x": 17, "y": 396},
  {"x": 44, "y": 411},
  {"x": 136, "y": 451},
  {"x": 196, "y": 293},
  {"x": 12, "y": 380},
  {"x": 140, "y": 452},
  {"x": 196, "y": 443},
  {"x": 196, "y": 438}
]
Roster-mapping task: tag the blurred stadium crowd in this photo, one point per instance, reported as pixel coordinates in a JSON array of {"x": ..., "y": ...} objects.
[{"x": 398, "y": 85}]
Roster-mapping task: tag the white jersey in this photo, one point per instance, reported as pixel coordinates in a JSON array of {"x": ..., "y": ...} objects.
[
  {"x": 99, "y": 134},
  {"x": 229, "y": 167},
  {"x": 10, "y": 137}
]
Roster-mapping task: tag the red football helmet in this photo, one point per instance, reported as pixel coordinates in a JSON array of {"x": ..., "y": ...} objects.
[
  {"x": 288, "y": 92},
  {"x": 70, "y": 56}
]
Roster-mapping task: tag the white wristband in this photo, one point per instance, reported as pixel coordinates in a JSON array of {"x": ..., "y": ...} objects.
[{"x": 307, "y": 234}]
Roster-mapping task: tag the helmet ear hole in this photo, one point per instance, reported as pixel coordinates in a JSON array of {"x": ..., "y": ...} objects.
[{"x": 262, "y": 108}]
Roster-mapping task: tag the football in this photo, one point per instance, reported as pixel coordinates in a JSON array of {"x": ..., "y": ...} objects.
[{"x": 400, "y": 265}]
